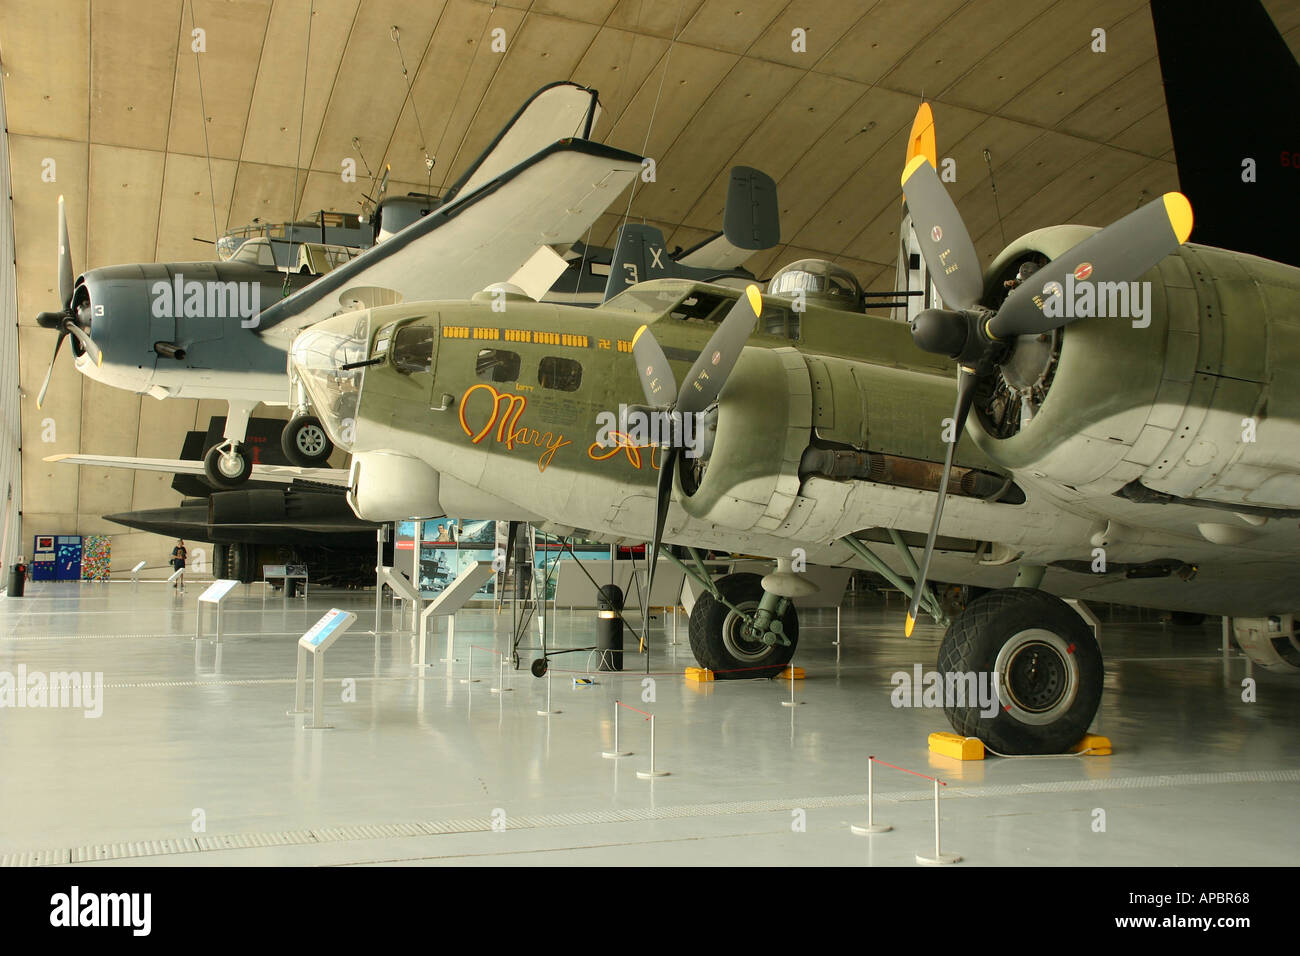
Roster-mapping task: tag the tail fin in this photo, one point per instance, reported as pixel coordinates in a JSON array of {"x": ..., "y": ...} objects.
[
  {"x": 1231, "y": 86},
  {"x": 640, "y": 254},
  {"x": 751, "y": 221}
]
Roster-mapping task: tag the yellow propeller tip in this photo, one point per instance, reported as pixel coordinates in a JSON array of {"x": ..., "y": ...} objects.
[
  {"x": 1179, "y": 211},
  {"x": 911, "y": 623},
  {"x": 99, "y": 361},
  {"x": 638, "y": 333},
  {"x": 755, "y": 300},
  {"x": 915, "y": 163}
]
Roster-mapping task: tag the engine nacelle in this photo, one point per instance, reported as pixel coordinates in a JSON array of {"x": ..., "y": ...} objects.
[
  {"x": 1270, "y": 642},
  {"x": 389, "y": 486},
  {"x": 750, "y": 479},
  {"x": 1174, "y": 398}
]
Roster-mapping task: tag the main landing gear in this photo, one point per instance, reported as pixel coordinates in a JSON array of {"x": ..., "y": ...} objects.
[
  {"x": 743, "y": 630},
  {"x": 228, "y": 465},
  {"x": 1047, "y": 665}
]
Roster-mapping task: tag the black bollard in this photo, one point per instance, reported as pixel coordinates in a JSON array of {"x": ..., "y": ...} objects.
[
  {"x": 18, "y": 581},
  {"x": 609, "y": 627}
]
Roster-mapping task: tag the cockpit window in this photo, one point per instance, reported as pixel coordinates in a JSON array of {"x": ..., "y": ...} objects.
[
  {"x": 413, "y": 349},
  {"x": 702, "y": 307},
  {"x": 779, "y": 321},
  {"x": 497, "y": 365}
]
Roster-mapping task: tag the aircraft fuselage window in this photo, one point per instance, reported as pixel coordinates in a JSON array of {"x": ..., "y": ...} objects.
[
  {"x": 562, "y": 374},
  {"x": 775, "y": 321},
  {"x": 413, "y": 349},
  {"x": 497, "y": 365}
]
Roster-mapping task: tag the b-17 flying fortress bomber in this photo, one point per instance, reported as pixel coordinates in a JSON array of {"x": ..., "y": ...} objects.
[{"x": 694, "y": 433}]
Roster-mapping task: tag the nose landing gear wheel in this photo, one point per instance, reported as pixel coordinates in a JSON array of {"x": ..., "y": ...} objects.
[
  {"x": 305, "y": 443},
  {"x": 1048, "y": 667},
  {"x": 227, "y": 466}
]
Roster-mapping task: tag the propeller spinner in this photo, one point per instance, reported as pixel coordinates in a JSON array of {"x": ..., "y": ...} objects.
[{"x": 977, "y": 337}]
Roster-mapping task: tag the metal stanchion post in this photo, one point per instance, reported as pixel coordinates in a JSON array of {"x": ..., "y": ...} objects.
[
  {"x": 872, "y": 826},
  {"x": 547, "y": 712},
  {"x": 469, "y": 677},
  {"x": 501, "y": 687},
  {"x": 791, "y": 702},
  {"x": 939, "y": 856},
  {"x": 652, "y": 772},
  {"x": 616, "y": 752}
]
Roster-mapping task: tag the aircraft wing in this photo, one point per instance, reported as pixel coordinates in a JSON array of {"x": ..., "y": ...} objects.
[
  {"x": 485, "y": 236},
  {"x": 556, "y": 111},
  {"x": 716, "y": 252},
  {"x": 176, "y": 466}
]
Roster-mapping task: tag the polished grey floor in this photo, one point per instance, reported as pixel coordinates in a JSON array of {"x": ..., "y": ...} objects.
[{"x": 195, "y": 762}]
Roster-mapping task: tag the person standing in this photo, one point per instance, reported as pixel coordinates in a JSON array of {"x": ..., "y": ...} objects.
[{"x": 178, "y": 564}]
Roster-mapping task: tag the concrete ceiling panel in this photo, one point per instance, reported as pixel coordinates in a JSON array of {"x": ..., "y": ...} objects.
[
  {"x": 271, "y": 129},
  {"x": 232, "y": 36},
  {"x": 892, "y": 28},
  {"x": 824, "y": 23},
  {"x": 132, "y": 72},
  {"x": 1029, "y": 54},
  {"x": 125, "y": 193},
  {"x": 46, "y": 67},
  {"x": 728, "y": 25}
]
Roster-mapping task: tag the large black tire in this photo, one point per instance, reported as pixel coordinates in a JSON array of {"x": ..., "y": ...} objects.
[
  {"x": 242, "y": 565},
  {"x": 218, "y": 471},
  {"x": 716, "y": 638},
  {"x": 1049, "y": 671},
  {"x": 305, "y": 443},
  {"x": 221, "y": 561}
]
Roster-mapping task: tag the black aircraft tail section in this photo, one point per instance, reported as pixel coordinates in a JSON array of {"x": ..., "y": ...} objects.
[
  {"x": 751, "y": 221},
  {"x": 1232, "y": 87}
]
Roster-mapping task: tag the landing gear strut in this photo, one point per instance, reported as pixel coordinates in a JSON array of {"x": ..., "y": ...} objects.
[
  {"x": 1048, "y": 667},
  {"x": 755, "y": 637},
  {"x": 229, "y": 464}
]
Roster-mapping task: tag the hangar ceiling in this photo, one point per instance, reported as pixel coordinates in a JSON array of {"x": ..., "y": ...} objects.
[{"x": 110, "y": 92}]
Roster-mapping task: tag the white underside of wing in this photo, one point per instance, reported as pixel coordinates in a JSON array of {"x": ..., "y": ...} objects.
[
  {"x": 174, "y": 466},
  {"x": 451, "y": 256}
]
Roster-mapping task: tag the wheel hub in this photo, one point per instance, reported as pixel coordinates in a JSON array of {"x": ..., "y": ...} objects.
[
  {"x": 310, "y": 440},
  {"x": 230, "y": 464},
  {"x": 738, "y": 636},
  {"x": 1038, "y": 676}
]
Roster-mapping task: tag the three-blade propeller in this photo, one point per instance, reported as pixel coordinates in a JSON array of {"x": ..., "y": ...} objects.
[
  {"x": 66, "y": 321},
  {"x": 699, "y": 390},
  {"x": 979, "y": 338}
]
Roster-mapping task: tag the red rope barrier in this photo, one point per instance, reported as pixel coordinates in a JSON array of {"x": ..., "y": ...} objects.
[
  {"x": 905, "y": 770},
  {"x": 630, "y": 707}
]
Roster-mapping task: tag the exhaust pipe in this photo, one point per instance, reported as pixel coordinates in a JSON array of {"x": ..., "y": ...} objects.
[{"x": 169, "y": 350}]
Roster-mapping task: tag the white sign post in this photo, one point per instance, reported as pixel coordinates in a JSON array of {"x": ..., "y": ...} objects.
[
  {"x": 135, "y": 573},
  {"x": 216, "y": 593},
  {"x": 316, "y": 642},
  {"x": 453, "y": 597}
]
